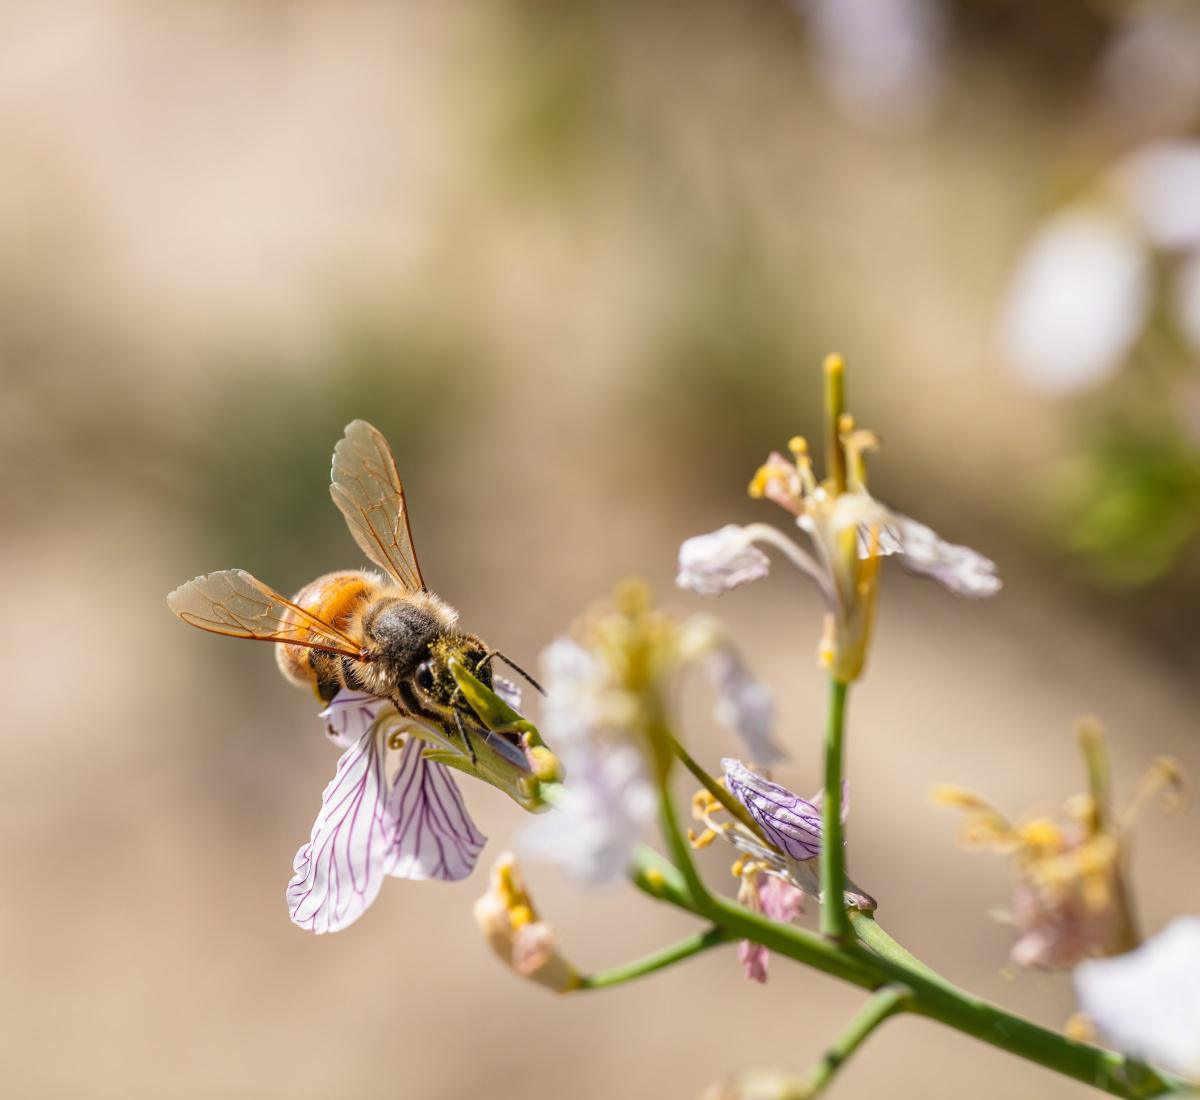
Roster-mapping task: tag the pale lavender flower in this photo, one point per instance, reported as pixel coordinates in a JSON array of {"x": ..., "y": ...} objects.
[
  {"x": 1147, "y": 1002},
  {"x": 744, "y": 704},
  {"x": 387, "y": 811},
  {"x": 791, "y": 823}
]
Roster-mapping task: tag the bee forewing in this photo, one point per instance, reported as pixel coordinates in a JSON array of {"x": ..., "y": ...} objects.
[{"x": 366, "y": 487}]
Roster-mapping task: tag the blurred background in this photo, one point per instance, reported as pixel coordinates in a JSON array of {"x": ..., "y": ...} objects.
[{"x": 580, "y": 262}]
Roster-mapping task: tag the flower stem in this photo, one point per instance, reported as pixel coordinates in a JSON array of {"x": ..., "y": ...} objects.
[
  {"x": 731, "y": 804},
  {"x": 940, "y": 1001},
  {"x": 660, "y": 960},
  {"x": 871, "y": 933},
  {"x": 677, "y": 843},
  {"x": 885, "y": 1003},
  {"x": 834, "y": 922}
]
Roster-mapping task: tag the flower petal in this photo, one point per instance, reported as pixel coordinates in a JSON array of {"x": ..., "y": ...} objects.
[
  {"x": 599, "y": 816},
  {"x": 508, "y": 691},
  {"x": 349, "y": 715},
  {"x": 719, "y": 561},
  {"x": 1147, "y": 1002},
  {"x": 431, "y": 834},
  {"x": 744, "y": 704},
  {"x": 339, "y": 871},
  {"x": 790, "y": 822},
  {"x": 920, "y": 550}
]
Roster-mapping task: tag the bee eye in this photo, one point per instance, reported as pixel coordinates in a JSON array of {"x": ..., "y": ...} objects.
[{"x": 424, "y": 676}]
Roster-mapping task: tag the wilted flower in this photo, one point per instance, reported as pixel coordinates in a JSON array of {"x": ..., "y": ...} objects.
[
  {"x": 766, "y": 892},
  {"x": 1070, "y": 898},
  {"x": 521, "y": 940},
  {"x": 849, "y": 532},
  {"x": 1147, "y": 1002},
  {"x": 387, "y": 811},
  {"x": 606, "y": 698}
]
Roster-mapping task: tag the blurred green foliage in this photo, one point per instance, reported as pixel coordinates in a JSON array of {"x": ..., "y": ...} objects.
[{"x": 264, "y": 461}]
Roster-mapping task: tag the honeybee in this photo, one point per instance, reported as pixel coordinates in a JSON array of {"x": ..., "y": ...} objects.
[{"x": 386, "y": 635}]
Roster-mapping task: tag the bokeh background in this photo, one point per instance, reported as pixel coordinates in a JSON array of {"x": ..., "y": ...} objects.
[{"x": 580, "y": 262}]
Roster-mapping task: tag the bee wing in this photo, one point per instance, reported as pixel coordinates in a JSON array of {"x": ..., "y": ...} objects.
[
  {"x": 366, "y": 488},
  {"x": 233, "y": 602}
]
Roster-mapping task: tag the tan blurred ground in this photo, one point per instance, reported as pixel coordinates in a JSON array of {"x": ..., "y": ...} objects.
[{"x": 205, "y": 209}]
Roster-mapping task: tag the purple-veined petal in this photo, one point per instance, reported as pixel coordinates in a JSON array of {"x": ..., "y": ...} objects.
[
  {"x": 790, "y": 822},
  {"x": 339, "y": 871},
  {"x": 508, "y": 691},
  {"x": 431, "y": 834},
  {"x": 349, "y": 716}
]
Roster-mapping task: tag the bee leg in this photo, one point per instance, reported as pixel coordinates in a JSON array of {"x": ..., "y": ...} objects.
[{"x": 466, "y": 736}]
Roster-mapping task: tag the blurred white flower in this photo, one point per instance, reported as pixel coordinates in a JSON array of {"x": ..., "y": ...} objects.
[
  {"x": 879, "y": 60},
  {"x": 1161, "y": 184},
  {"x": 1147, "y": 1002},
  {"x": 1077, "y": 301},
  {"x": 744, "y": 704},
  {"x": 608, "y": 799}
]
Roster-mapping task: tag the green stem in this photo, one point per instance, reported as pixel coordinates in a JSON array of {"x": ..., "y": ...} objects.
[
  {"x": 886, "y": 1003},
  {"x": 834, "y": 922},
  {"x": 681, "y": 851},
  {"x": 871, "y": 933},
  {"x": 660, "y": 960},
  {"x": 1102, "y": 1069},
  {"x": 731, "y": 804}
]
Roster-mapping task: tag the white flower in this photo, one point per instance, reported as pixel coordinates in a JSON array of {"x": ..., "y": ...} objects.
[
  {"x": 1161, "y": 183},
  {"x": 608, "y": 800},
  {"x": 1147, "y": 1002},
  {"x": 387, "y": 811},
  {"x": 714, "y": 563},
  {"x": 1077, "y": 302},
  {"x": 880, "y": 60}
]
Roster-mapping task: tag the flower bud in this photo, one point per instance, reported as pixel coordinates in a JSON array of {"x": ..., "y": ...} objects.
[{"x": 511, "y": 926}]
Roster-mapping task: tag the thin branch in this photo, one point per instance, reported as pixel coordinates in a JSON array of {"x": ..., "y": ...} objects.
[
  {"x": 660, "y": 960},
  {"x": 885, "y": 1003}
]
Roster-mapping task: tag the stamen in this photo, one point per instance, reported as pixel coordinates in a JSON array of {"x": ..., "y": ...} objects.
[
  {"x": 1166, "y": 782},
  {"x": 701, "y": 840}
]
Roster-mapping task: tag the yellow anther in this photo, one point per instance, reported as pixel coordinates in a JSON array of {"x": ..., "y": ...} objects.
[
  {"x": 653, "y": 878},
  {"x": 1041, "y": 835},
  {"x": 798, "y": 445},
  {"x": 958, "y": 798},
  {"x": 520, "y": 915},
  {"x": 1079, "y": 1026},
  {"x": 701, "y": 840},
  {"x": 739, "y": 865},
  {"x": 834, "y": 363},
  {"x": 845, "y": 425}
]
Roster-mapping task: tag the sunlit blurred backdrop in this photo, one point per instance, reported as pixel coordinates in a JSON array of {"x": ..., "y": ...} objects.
[{"x": 580, "y": 263}]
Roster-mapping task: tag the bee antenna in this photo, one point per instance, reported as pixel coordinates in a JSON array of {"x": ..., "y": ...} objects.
[{"x": 487, "y": 657}]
